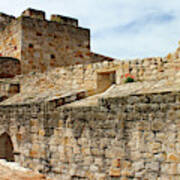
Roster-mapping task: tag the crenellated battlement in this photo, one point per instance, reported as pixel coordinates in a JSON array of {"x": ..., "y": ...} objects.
[
  {"x": 33, "y": 13},
  {"x": 71, "y": 114},
  {"x": 64, "y": 20},
  {"x": 37, "y": 14},
  {"x": 41, "y": 44}
]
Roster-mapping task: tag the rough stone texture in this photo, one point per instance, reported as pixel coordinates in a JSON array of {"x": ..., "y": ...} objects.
[
  {"x": 34, "y": 14},
  {"x": 59, "y": 123},
  {"x": 51, "y": 44},
  {"x": 5, "y": 19},
  {"x": 8, "y": 89},
  {"x": 10, "y": 40},
  {"x": 36, "y": 86},
  {"x": 12, "y": 171},
  {"x": 9, "y": 67},
  {"x": 133, "y": 136},
  {"x": 64, "y": 20},
  {"x": 41, "y": 44}
]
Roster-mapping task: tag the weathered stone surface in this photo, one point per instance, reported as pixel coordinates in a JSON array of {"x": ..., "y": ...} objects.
[
  {"x": 9, "y": 67},
  {"x": 9, "y": 171},
  {"x": 60, "y": 125}
]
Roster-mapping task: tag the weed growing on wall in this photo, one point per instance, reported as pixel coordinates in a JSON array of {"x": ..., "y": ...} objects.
[{"x": 129, "y": 78}]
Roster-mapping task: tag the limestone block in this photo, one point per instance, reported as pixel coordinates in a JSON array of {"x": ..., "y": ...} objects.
[
  {"x": 140, "y": 174},
  {"x": 151, "y": 175},
  {"x": 100, "y": 176},
  {"x": 152, "y": 166},
  {"x": 138, "y": 166},
  {"x": 115, "y": 172},
  {"x": 157, "y": 125},
  {"x": 178, "y": 169},
  {"x": 88, "y": 160},
  {"x": 156, "y": 147},
  {"x": 169, "y": 168},
  {"x": 172, "y": 157},
  {"x": 161, "y": 157}
]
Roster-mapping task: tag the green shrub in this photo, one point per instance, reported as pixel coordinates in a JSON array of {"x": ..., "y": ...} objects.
[{"x": 129, "y": 80}]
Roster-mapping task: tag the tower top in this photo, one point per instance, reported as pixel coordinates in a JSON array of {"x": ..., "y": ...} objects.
[{"x": 33, "y": 13}]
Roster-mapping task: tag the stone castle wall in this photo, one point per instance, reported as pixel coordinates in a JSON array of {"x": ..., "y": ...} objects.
[
  {"x": 50, "y": 44},
  {"x": 90, "y": 76},
  {"x": 10, "y": 39},
  {"x": 149, "y": 69},
  {"x": 41, "y": 44},
  {"x": 5, "y": 20},
  {"x": 86, "y": 76},
  {"x": 131, "y": 137},
  {"x": 126, "y": 137}
]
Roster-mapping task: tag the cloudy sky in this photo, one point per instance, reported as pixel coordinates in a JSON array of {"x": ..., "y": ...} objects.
[{"x": 119, "y": 28}]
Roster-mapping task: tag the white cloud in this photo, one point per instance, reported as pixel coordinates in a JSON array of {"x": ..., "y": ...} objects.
[{"x": 119, "y": 28}]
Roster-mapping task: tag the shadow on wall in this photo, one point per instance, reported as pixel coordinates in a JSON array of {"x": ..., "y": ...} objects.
[
  {"x": 6, "y": 147},
  {"x": 105, "y": 80}
]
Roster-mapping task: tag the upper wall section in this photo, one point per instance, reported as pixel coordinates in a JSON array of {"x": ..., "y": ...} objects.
[
  {"x": 41, "y": 44},
  {"x": 10, "y": 38},
  {"x": 34, "y": 14},
  {"x": 5, "y": 20},
  {"x": 49, "y": 44},
  {"x": 64, "y": 20}
]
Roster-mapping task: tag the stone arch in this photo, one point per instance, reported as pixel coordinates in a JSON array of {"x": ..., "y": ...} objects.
[{"x": 6, "y": 147}]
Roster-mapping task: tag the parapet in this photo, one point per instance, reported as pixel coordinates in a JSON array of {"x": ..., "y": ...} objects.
[
  {"x": 37, "y": 14},
  {"x": 64, "y": 20},
  {"x": 33, "y": 13}
]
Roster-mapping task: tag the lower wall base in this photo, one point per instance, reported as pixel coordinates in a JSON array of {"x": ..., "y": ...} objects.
[{"x": 134, "y": 137}]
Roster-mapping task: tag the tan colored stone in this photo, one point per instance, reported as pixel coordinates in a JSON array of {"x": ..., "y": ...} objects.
[
  {"x": 115, "y": 172},
  {"x": 173, "y": 157}
]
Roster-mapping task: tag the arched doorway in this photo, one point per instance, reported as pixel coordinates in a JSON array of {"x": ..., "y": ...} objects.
[{"x": 6, "y": 147}]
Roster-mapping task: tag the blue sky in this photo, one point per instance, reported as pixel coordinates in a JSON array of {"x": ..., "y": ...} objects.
[{"x": 123, "y": 29}]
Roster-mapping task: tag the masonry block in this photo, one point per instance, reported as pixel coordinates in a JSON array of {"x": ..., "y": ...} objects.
[{"x": 33, "y": 13}]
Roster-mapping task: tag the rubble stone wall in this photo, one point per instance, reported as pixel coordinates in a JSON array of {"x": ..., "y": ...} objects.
[
  {"x": 148, "y": 69},
  {"x": 127, "y": 137},
  {"x": 85, "y": 76},
  {"x": 10, "y": 40}
]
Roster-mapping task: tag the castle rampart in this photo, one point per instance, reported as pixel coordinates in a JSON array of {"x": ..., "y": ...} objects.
[
  {"x": 123, "y": 137},
  {"x": 64, "y": 20},
  {"x": 35, "y": 14},
  {"x": 67, "y": 112},
  {"x": 41, "y": 44},
  {"x": 50, "y": 44}
]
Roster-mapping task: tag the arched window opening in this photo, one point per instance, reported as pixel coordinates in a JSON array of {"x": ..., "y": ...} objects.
[{"x": 6, "y": 147}]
